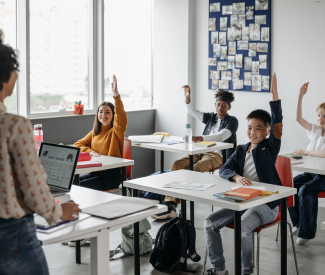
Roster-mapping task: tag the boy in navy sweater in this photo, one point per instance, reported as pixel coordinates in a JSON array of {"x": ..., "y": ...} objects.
[{"x": 254, "y": 161}]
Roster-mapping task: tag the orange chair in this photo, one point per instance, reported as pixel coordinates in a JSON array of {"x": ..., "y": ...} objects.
[
  {"x": 284, "y": 169},
  {"x": 127, "y": 154}
]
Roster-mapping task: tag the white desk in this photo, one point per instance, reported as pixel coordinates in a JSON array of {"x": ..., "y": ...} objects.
[
  {"x": 311, "y": 165},
  {"x": 180, "y": 148},
  {"x": 97, "y": 229},
  {"x": 155, "y": 183},
  {"x": 108, "y": 163}
]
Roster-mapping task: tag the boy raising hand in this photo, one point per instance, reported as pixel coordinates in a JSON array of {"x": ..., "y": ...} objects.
[{"x": 254, "y": 161}]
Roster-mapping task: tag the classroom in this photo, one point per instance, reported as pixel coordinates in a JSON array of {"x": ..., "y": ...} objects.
[{"x": 88, "y": 82}]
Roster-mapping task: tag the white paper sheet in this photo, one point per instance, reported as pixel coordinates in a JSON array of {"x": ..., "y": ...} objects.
[{"x": 188, "y": 185}]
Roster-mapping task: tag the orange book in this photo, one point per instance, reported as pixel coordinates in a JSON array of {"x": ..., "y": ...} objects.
[{"x": 243, "y": 194}]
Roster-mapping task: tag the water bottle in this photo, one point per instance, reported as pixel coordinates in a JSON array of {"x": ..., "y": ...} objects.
[
  {"x": 188, "y": 136},
  {"x": 38, "y": 135}
]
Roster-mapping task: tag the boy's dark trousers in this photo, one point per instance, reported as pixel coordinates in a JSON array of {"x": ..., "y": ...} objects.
[{"x": 304, "y": 213}]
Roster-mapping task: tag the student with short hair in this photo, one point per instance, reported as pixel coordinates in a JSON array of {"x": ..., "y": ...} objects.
[
  {"x": 304, "y": 213},
  {"x": 254, "y": 161},
  {"x": 106, "y": 138},
  {"x": 23, "y": 186},
  {"x": 220, "y": 126}
]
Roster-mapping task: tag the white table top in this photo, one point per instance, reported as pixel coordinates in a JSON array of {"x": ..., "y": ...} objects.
[
  {"x": 155, "y": 183},
  {"x": 86, "y": 197},
  {"x": 179, "y": 148},
  {"x": 310, "y": 165},
  {"x": 108, "y": 163}
]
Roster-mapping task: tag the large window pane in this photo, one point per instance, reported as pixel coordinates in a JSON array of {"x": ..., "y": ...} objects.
[
  {"x": 8, "y": 27},
  {"x": 128, "y": 51},
  {"x": 59, "y": 37}
]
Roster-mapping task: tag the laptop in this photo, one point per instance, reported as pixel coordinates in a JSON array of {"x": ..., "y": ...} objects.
[{"x": 59, "y": 163}]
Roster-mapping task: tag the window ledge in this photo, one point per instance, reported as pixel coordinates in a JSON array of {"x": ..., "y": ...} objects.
[{"x": 69, "y": 114}]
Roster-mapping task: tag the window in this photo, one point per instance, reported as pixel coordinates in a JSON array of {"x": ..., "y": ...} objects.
[
  {"x": 59, "y": 55},
  {"x": 127, "y": 31},
  {"x": 8, "y": 27}
]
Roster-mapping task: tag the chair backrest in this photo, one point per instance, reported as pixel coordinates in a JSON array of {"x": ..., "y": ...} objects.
[
  {"x": 127, "y": 154},
  {"x": 321, "y": 195},
  {"x": 283, "y": 166}
]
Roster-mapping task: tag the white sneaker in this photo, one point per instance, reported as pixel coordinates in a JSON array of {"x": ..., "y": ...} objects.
[
  {"x": 295, "y": 231},
  {"x": 302, "y": 241},
  {"x": 82, "y": 242}
]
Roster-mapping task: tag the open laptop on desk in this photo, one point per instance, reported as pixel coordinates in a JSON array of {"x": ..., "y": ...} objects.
[{"x": 59, "y": 163}]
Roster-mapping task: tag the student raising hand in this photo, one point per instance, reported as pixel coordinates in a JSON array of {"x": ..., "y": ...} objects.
[
  {"x": 114, "y": 86},
  {"x": 303, "y": 89},
  {"x": 274, "y": 88},
  {"x": 187, "y": 93}
]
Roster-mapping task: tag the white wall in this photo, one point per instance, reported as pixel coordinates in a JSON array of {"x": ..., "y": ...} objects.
[
  {"x": 181, "y": 56},
  {"x": 170, "y": 67},
  {"x": 297, "y": 56}
]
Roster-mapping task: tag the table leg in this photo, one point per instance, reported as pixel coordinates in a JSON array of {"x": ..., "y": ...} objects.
[
  {"x": 284, "y": 235},
  {"x": 99, "y": 253},
  {"x": 76, "y": 180},
  {"x": 224, "y": 156},
  {"x": 78, "y": 252},
  {"x": 162, "y": 162},
  {"x": 136, "y": 241},
  {"x": 123, "y": 179},
  {"x": 237, "y": 243},
  {"x": 192, "y": 202}
]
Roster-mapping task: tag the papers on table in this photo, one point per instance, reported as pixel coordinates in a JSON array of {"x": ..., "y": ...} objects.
[
  {"x": 188, "y": 185},
  {"x": 252, "y": 186},
  {"x": 120, "y": 207},
  {"x": 171, "y": 142},
  {"x": 147, "y": 139}
]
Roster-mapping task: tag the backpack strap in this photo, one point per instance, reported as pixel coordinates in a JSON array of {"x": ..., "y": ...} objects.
[
  {"x": 117, "y": 250},
  {"x": 191, "y": 238}
]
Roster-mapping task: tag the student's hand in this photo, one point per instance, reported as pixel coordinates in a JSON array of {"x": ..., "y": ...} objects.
[
  {"x": 241, "y": 180},
  {"x": 300, "y": 152},
  {"x": 94, "y": 154},
  {"x": 274, "y": 88},
  {"x": 69, "y": 209},
  {"x": 187, "y": 93},
  {"x": 303, "y": 89},
  {"x": 114, "y": 86},
  {"x": 196, "y": 139}
]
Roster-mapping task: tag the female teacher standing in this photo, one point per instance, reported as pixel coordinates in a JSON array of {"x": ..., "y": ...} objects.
[{"x": 23, "y": 188}]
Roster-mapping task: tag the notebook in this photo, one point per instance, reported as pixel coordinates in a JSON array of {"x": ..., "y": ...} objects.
[
  {"x": 87, "y": 164},
  {"x": 294, "y": 156},
  {"x": 205, "y": 144},
  {"x": 243, "y": 194}
]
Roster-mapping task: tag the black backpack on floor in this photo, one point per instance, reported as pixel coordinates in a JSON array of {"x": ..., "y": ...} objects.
[{"x": 171, "y": 248}]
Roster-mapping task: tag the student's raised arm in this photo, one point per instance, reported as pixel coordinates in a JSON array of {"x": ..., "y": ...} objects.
[
  {"x": 120, "y": 117},
  {"x": 276, "y": 118},
  {"x": 299, "y": 118},
  {"x": 190, "y": 109}
]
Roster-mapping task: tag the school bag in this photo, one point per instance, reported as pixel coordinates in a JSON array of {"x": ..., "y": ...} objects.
[
  {"x": 170, "y": 250},
  {"x": 127, "y": 245}
]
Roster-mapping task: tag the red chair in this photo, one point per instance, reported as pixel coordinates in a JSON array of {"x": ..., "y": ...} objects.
[
  {"x": 127, "y": 154},
  {"x": 284, "y": 169},
  {"x": 321, "y": 195}
]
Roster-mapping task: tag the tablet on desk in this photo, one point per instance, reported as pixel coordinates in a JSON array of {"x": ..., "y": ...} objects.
[{"x": 43, "y": 226}]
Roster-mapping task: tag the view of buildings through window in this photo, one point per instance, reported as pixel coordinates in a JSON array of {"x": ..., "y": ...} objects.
[
  {"x": 9, "y": 30},
  {"x": 59, "y": 52},
  {"x": 127, "y": 48},
  {"x": 58, "y": 55}
]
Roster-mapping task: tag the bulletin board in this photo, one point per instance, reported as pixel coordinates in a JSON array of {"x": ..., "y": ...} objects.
[{"x": 245, "y": 65}]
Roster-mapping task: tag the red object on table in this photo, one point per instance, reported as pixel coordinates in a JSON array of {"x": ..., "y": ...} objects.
[
  {"x": 87, "y": 164},
  {"x": 84, "y": 156}
]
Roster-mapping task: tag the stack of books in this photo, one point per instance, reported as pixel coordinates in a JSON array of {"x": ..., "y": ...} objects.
[
  {"x": 239, "y": 195},
  {"x": 205, "y": 144}
]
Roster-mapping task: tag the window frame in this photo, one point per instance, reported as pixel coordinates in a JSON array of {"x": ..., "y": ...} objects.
[{"x": 96, "y": 85}]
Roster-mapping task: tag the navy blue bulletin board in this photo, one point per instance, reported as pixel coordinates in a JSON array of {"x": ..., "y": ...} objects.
[{"x": 217, "y": 15}]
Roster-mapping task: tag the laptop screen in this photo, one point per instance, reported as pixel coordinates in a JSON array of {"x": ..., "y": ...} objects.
[{"x": 59, "y": 163}]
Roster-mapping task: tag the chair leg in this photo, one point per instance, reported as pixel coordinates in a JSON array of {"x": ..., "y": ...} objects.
[
  {"x": 253, "y": 249},
  {"x": 277, "y": 234},
  {"x": 205, "y": 260},
  {"x": 293, "y": 248},
  {"x": 258, "y": 254}
]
